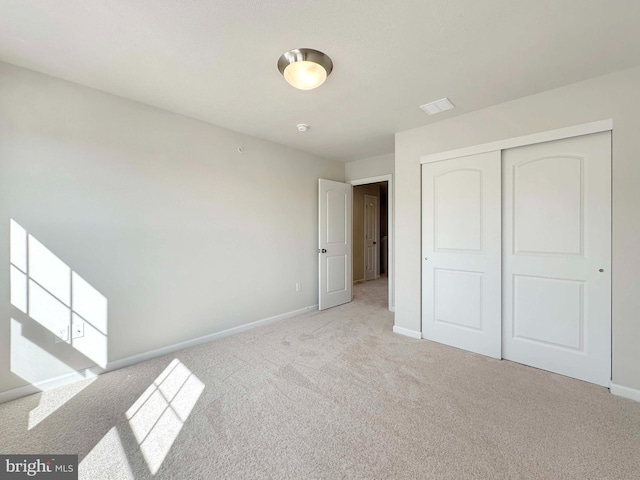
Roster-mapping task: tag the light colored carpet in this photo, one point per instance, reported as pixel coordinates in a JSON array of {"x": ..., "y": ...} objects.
[{"x": 332, "y": 395}]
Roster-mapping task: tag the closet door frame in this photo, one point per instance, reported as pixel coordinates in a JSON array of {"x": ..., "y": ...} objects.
[
  {"x": 541, "y": 137},
  {"x": 548, "y": 136}
]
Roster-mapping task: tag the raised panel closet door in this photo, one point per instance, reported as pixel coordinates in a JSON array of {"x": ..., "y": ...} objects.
[
  {"x": 461, "y": 201},
  {"x": 557, "y": 256}
]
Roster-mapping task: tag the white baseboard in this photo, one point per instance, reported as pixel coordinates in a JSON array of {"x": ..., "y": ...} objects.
[
  {"x": 625, "y": 392},
  {"x": 50, "y": 383},
  {"x": 126, "y": 362},
  {"x": 406, "y": 332}
]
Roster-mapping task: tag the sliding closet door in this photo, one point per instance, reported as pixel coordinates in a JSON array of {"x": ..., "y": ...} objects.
[
  {"x": 461, "y": 253},
  {"x": 557, "y": 256}
]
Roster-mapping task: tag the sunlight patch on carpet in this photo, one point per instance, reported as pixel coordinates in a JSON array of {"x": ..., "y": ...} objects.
[
  {"x": 157, "y": 417},
  {"x": 52, "y": 400},
  {"x": 107, "y": 460}
]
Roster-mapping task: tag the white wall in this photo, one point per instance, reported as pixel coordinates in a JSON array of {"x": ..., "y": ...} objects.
[
  {"x": 369, "y": 167},
  {"x": 615, "y": 96},
  {"x": 182, "y": 234}
]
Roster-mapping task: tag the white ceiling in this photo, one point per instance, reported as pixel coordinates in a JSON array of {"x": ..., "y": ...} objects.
[{"x": 215, "y": 60}]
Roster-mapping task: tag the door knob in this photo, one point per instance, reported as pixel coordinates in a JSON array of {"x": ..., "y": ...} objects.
[
  {"x": 375, "y": 243},
  {"x": 322, "y": 250}
]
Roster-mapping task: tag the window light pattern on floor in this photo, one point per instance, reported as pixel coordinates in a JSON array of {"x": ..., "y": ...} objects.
[
  {"x": 107, "y": 460},
  {"x": 157, "y": 417}
]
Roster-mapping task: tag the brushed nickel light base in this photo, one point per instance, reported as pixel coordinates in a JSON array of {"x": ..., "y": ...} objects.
[{"x": 305, "y": 68}]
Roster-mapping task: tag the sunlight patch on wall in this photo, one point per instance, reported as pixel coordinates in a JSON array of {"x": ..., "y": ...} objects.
[
  {"x": 60, "y": 300},
  {"x": 52, "y": 295},
  {"x": 157, "y": 417},
  {"x": 36, "y": 365},
  {"x": 18, "y": 282},
  {"x": 107, "y": 460},
  {"x": 33, "y": 363}
]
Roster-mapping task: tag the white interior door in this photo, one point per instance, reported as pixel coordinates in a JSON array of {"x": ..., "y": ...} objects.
[
  {"x": 334, "y": 244},
  {"x": 371, "y": 219},
  {"x": 557, "y": 256},
  {"x": 461, "y": 251}
]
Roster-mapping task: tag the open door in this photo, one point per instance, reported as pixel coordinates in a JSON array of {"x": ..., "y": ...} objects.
[{"x": 334, "y": 244}]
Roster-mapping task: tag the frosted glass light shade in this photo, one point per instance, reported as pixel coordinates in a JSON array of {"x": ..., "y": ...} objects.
[
  {"x": 305, "y": 75},
  {"x": 304, "y": 68}
]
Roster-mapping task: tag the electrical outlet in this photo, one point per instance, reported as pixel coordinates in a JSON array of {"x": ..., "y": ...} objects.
[
  {"x": 62, "y": 334},
  {"x": 77, "y": 329},
  {"x": 298, "y": 287}
]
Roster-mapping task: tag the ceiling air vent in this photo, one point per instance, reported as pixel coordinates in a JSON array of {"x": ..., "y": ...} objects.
[{"x": 437, "y": 106}]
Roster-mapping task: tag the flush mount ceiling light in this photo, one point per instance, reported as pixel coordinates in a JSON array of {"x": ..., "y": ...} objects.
[{"x": 305, "y": 68}]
